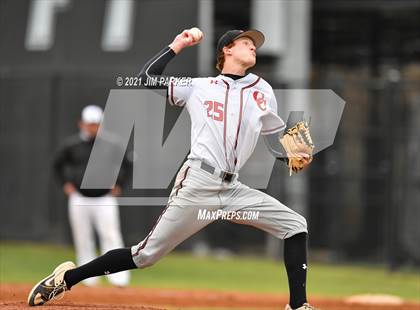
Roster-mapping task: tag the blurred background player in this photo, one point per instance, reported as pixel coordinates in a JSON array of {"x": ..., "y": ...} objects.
[{"x": 90, "y": 209}]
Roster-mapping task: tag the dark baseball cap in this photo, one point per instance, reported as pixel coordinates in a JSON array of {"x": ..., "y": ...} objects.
[{"x": 256, "y": 36}]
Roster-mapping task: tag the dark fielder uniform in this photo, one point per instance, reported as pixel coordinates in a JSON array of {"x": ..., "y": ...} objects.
[
  {"x": 73, "y": 156},
  {"x": 92, "y": 209}
]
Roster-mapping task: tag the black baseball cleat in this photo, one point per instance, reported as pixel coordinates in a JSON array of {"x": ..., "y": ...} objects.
[{"x": 51, "y": 287}]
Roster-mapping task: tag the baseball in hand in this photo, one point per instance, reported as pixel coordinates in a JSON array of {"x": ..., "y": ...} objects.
[{"x": 196, "y": 33}]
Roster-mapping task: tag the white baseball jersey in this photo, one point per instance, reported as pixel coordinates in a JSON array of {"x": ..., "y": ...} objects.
[{"x": 227, "y": 117}]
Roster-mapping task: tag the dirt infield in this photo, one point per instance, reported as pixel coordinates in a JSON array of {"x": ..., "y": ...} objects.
[{"x": 14, "y": 297}]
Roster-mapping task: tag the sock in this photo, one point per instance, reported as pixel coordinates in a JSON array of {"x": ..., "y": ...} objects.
[
  {"x": 295, "y": 260},
  {"x": 111, "y": 262}
]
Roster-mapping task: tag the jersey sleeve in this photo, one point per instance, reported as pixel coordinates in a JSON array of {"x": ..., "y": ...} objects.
[
  {"x": 271, "y": 122},
  {"x": 154, "y": 68},
  {"x": 179, "y": 91}
]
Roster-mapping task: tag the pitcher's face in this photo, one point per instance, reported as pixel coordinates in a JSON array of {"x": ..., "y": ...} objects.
[{"x": 244, "y": 52}]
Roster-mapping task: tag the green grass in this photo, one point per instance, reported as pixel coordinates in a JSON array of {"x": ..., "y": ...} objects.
[{"x": 27, "y": 263}]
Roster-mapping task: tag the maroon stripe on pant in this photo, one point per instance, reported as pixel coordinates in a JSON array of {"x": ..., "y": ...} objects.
[
  {"x": 160, "y": 216},
  {"x": 183, "y": 179},
  {"x": 150, "y": 233}
]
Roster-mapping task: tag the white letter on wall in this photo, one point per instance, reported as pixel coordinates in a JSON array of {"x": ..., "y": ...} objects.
[
  {"x": 118, "y": 25},
  {"x": 41, "y": 23}
]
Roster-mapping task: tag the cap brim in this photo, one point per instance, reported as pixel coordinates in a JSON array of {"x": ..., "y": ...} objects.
[{"x": 256, "y": 36}]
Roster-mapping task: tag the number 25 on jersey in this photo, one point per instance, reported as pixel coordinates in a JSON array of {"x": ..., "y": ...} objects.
[{"x": 214, "y": 110}]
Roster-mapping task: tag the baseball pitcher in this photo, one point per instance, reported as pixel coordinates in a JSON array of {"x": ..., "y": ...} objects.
[{"x": 228, "y": 113}]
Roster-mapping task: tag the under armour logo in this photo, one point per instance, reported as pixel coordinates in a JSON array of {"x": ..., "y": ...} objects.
[
  {"x": 304, "y": 267},
  {"x": 106, "y": 272}
]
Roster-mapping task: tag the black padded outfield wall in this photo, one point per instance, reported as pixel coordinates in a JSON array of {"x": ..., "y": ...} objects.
[{"x": 44, "y": 86}]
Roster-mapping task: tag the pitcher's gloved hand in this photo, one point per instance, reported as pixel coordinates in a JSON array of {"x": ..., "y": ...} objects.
[{"x": 297, "y": 142}]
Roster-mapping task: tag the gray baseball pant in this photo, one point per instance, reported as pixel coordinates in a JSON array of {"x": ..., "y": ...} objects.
[{"x": 196, "y": 190}]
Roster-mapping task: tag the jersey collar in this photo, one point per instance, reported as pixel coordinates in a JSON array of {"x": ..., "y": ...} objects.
[{"x": 250, "y": 77}]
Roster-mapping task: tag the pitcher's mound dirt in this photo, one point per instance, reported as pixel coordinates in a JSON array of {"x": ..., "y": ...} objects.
[{"x": 13, "y": 296}]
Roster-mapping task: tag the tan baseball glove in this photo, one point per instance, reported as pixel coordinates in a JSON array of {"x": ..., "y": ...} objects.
[{"x": 297, "y": 142}]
